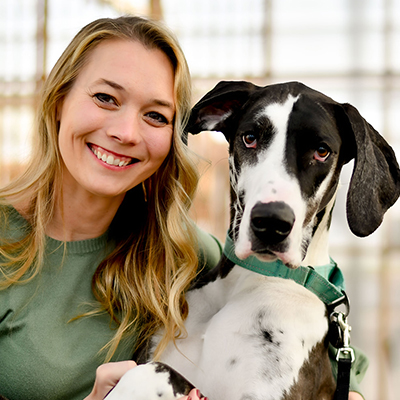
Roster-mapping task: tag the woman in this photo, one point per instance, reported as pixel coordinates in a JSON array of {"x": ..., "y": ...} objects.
[
  {"x": 105, "y": 196},
  {"x": 96, "y": 247}
]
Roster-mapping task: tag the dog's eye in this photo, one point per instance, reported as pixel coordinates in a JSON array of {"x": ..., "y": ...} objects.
[
  {"x": 322, "y": 153},
  {"x": 250, "y": 140}
]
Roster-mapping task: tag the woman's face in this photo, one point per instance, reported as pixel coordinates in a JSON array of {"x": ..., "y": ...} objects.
[{"x": 116, "y": 123}]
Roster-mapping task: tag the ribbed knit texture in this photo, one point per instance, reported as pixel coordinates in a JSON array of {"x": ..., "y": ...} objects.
[{"x": 44, "y": 355}]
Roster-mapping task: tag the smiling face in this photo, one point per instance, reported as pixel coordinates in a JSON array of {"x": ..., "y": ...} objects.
[{"x": 116, "y": 123}]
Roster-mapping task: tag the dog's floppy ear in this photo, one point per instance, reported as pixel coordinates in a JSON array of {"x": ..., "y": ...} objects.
[
  {"x": 214, "y": 111},
  {"x": 375, "y": 183}
]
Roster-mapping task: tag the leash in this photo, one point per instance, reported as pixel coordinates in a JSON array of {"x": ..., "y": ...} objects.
[
  {"x": 345, "y": 354},
  {"x": 317, "y": 280}
]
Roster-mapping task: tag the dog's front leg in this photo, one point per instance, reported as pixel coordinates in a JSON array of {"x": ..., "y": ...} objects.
[{"x": 152, "y": 381}]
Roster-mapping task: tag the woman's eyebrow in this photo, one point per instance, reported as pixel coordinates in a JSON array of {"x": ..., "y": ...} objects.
[
  {"x": 113, "y": 84},
  {"x": 117, "y": 86},
  {"x": 163, "y": 103}
]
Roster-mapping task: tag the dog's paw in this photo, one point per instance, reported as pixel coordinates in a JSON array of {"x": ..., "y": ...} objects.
[{"x": 152, "y": 381}]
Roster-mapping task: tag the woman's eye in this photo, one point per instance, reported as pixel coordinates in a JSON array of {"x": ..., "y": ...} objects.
[
  {"x": 322, "y": 153},
  {"x": 105, "y": 98},
  {"x": 250, "y": 140},
  {"x": 156, "y": 118}
]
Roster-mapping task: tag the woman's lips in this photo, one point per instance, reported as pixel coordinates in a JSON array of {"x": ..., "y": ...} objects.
[{"x": 111, "y": 158}]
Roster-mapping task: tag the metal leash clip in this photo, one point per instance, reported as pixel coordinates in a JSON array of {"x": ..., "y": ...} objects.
[
  {"x": 336, "y": 329},
  {"x": 345, "y": 351}
]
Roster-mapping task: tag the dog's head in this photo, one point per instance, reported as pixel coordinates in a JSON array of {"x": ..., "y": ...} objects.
[{"x": 287, "y": 145}]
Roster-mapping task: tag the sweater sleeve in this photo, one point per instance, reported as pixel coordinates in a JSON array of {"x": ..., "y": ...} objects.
[{"x": 210, "y": 250}]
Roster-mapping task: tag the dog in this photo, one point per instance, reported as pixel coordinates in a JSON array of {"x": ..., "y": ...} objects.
[{"x": 251, "y": 336}]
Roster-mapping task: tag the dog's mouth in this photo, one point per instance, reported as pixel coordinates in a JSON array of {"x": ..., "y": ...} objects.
[
  {"x": 266, "y": 255},
  {"x": 255, "y": 248},
  {"x": 266, "y": 252}
]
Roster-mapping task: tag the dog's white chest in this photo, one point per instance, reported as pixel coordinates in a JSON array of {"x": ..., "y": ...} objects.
[{"x": 248, "y": 336}]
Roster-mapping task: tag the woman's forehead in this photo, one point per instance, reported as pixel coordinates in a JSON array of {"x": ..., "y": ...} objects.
[{"x": 130, "y": 66}]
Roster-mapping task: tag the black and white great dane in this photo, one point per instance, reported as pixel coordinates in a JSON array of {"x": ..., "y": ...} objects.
[{"x": 256, "y": 337}]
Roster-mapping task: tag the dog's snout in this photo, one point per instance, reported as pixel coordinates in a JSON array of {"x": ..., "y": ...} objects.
[{"x": 272, "y": 222}]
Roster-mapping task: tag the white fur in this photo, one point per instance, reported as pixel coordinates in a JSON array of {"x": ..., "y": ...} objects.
[
  {"x": 229, "y": 314},
  {"x": 143, "y": 383}
]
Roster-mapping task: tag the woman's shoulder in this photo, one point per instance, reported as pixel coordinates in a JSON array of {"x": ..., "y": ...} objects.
[
  {"x": 210, "y": 249},
  {"x": 8, "y": 210},
  {"x": 12, "y": 223}
]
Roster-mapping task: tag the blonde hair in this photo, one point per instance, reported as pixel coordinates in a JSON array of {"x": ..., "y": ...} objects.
[{"x": 142, "y": 283}]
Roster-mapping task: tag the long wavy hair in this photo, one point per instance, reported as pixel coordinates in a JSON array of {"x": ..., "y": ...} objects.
[{"x": 142, "y": 283}]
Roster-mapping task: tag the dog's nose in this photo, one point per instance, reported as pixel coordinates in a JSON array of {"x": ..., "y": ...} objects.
[{"x": 272, "y": 222}]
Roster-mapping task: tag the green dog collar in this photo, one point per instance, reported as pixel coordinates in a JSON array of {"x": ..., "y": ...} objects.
[{"x": 325, "y": 281}]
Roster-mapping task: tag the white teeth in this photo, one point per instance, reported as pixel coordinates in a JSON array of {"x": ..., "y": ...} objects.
[{"x": 109, "y": 159}]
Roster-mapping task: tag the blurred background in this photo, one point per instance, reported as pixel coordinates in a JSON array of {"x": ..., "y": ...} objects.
[{"x": 348, "y": 49}]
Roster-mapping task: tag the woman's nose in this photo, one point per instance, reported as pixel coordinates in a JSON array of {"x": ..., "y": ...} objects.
[{"x": 126, "y": 129}]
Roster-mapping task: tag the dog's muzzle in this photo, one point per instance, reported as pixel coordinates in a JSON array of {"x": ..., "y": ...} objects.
[{"x": 272, "y": 222}]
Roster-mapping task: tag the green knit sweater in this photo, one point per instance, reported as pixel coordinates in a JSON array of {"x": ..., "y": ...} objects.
[{"x": 43, "y": 354}]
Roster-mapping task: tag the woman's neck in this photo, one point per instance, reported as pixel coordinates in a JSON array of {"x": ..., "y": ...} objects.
[{"x": 80, "y": 216}]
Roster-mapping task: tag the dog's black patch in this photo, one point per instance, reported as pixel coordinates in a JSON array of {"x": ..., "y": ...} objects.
[
  {"x": 232, "y": 362},
  {"x": 179, "y": 384},
  {"x": 221, "y": 270},
  {"x": 315, "y": 376},
  {"x": 267, "y": 335},
  {"x": 318, "y": 218},
  {"x": 260, "y": 128}
]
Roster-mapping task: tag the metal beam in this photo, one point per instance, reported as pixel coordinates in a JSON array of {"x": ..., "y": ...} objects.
[{"x": 41, "y": 43}]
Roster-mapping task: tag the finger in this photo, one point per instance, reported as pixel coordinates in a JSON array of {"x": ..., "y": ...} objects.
[
  {"x": 112, "y": 372},
  {"x": 195, "y": 394},
  {"x": 107, "y": 376},
  {"x": 355, "y": 396}
]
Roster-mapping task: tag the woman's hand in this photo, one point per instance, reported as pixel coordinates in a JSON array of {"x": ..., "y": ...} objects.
[
  {"x": 355, "y": 396},
  {"x": 107, "y": 376},
  {"x": 194, "y": 394}
]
